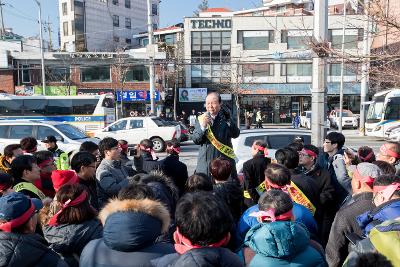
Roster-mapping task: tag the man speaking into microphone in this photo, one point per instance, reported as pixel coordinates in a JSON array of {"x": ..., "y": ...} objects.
[{"x": 213, "y": 132}]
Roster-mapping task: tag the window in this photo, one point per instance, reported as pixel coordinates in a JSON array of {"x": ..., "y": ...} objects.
[
  {"x": 72, "y": 5},
  {"x": 137, "y": 74},
  {"x": 115, "y": 2},
  {"x": 59, "y": 107},
  {"x": 154, "y": 9},
  {"x": 11, "y": 107},
  {"x": 72, "y": 27},
  {"x": 134, "y": 124},
  {"x": 250, "y": 140},
  {"x": 83, "y": 106},
  {"x": 255, "y": 40},
  {"x": 170, "y": 39},
  {"x": 258, "y": 70},
  {"x": 44, "y": 131},
  {"x": 118, "y": 126},
  {"x": 127, "y": 23},
  {"x": 296, "y": 39},
  {"x": 3, "y": 131},
  {"x": 155, "y": 26},
  {"x": 392, "y": 111},
  {"x": 64, "y": 9},
  {"x": 20, "y": 131},
  {"x": 115, "y": 21},
  {"x": 26, "y": 77},
  {"x": 128, "y": 41},
  {"x": 336, "y": 68},
  {"x": 95, "y": 74},
  {"x": 65, "y": 28},
  {"x": 128, "y": 3},
  {"x": 57, "y": 74},
  {"x": 34, "y": 107},
  {"x": 71, "y": 131},
  {"x": 116, "y": 39},
  {"x": 351, "y": 38},
  {"x": 293, "y": 69},
  {"x": 280, "y": 141}
]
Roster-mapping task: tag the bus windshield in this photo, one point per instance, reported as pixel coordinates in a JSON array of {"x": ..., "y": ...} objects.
[
  {"x": 71, "y": 131},
  {"x": 375, "y": 112}
]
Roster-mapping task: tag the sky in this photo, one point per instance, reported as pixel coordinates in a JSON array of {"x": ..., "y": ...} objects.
[{"x": 22, "y": 15}]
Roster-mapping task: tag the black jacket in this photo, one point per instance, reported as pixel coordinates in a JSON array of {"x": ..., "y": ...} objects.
[
  {"x": 345, "y": 223},
  {"x": 146, "y": 163},
  {"x": 308, "y": 186},
  {"x": 253, "y": 171},
  {"x": 201, "y": 257},
  {"x": 27, "y": 250},
  {"x": 177, "y": 170},
  {"x": 232, "y": 194},
  {"x": 56, "y": 151},
  {"x": 224, "y": 130},
  {"x": 131, "y": 228}
]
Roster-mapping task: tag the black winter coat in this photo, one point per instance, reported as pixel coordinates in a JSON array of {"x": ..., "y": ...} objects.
[
  {"x": 253, "y": 171},
  {"x": 146, "y": 163},
  {"x": 27, "y": 250},
  {"x": 224, "y": 130},
  {"x": 232, "y": 194},
  {"x": 177, "y": 170},
  {"x": 308, "y": 186},
  {"x": 201, "y": 257}
]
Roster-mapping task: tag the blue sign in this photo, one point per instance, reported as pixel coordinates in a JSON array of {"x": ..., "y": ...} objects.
[{"x": 137, "y": 95}]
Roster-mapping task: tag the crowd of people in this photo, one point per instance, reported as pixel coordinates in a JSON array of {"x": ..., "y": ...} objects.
[{"x": 307, "y": 206}]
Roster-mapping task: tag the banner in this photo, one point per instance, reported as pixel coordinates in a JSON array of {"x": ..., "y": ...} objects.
[
  {"x": 23, "y": 90},
  {"x": 192, "y": 94},
  {"x": 97, "y": 91},
  {"x": 55, "y": 90},
  {"x": 137, "y": 95}
]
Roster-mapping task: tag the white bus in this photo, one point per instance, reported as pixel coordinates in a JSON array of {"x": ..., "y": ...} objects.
[
  {"x": 383, "y": 113},
  {"x": 89, "y": 113}
]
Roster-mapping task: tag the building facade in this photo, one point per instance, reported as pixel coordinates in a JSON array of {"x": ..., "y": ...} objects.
[
  {"x": 264, "y": 57},
  {"x": 102, "y": 25}
]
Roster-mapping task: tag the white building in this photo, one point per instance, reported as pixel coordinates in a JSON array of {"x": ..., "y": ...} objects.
[{"x": 103, "y": 25}]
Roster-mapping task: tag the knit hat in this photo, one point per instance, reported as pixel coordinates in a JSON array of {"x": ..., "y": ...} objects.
[{"x": 62, "y": 177}]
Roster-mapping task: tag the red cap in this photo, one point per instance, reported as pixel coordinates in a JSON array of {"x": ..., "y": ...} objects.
[{"x": 62, "y": 177}]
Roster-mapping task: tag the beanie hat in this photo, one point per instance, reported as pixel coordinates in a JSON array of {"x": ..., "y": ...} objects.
[{"x": 62, "y": 177}]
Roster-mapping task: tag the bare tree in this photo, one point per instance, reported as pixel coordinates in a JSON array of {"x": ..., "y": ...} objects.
[
  {"x": 119, "y": 70},
  {"x": 201, "y": 7}
]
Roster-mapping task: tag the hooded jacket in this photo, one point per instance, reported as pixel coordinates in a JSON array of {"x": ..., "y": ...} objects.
[
  {"x": 112, "y": 177},
  {"x": 281, "y": 243},
  {"x": 27, "y": 250},
  {"x": 177, "y": 170},
  {"x": 4, "y": 165},
  {"x": 131, "y": 228}
]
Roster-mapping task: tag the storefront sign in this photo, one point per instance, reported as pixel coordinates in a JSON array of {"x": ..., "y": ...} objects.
[
  {"x": 297, "y": 89},
  {"x": 55, "y": 90},
  {"x": 97, "y": 91},
  {"x": 24, "y": 90},
  {"x": 192, "y": 94},
  {"x": 211, "y": 24},
  {"x": 137, "y": 95},
  {"x": 92, "y": 55}
]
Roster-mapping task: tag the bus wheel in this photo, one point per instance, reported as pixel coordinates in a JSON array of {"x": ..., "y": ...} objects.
[{"x": 159, "y": 144}]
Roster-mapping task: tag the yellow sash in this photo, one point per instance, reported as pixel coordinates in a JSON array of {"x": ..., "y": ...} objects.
[
  {"x": 224, "y": 149},
  {"x": 30, "y": 187}
]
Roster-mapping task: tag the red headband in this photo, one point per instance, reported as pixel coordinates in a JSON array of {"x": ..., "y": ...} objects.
[
  {"x": 8, "y": 226},
  {"x": 69, "y": 203},
  {"x": 386, "y": 151},
  {"x": 123, "y": 146},
  {"x": 269, "y": 184},
  {"x": 176, "y": 149},
  {"x": 42, "y": 164},
  {"x": 269, "y": 215},
  {"x": 182, "y": 244},
  {"x": 309, "y": 152},
  {"x": 5, "y": 186},
  {"x": 367, "y": 157},
  {"x": 262, "y": 149},
  {"x": 388, "y": 190},
  {"x": 30, "y": 151},
  {"x": 147, "y": 149},
  {"x": 368, "y": 180}
]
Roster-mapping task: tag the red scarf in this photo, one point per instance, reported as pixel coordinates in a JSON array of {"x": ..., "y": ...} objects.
[{"x": 69, "y": 203}]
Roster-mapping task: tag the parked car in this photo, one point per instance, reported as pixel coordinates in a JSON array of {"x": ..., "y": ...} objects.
[
  {"x": 135, "y": 129},
  {"x": 275, "y": 139},
  {"x": 69, "y": 137},
  {"x": 348, "y": 119},
  {"x": 305, "y": 121},
  {"x": 393, "y": 133}
]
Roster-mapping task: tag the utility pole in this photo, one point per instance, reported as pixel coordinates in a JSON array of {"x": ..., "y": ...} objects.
[
  {"x": 340, "y": 126},
  {"x": 151, "y": 54},
  {"x": 365, "y": 68},
  {"x": 41, "y": 47},
  {"x": 3, "y": 31},
  {"x": 318, "y": 90}
]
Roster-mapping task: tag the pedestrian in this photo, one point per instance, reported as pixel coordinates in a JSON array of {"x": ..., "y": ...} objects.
[
  {"x": 145, "y": 159},
  {"x": 253, "y": 171},
  {"x": 385, "y": 167},
  {"x": 28, "y": 145},
  {"x": 259, "y": 118},
  {"x": 50, "y": 143},
  {"x": 10, "y": 153},
  {"x": 6, "y": 184},
  {"x": 92, "y": 148},
  {"x": 295, "y": 120},
  {"x": 175, "y": 168},
  {"x": 248, "y": 116},
  {"x": 84, "y": 164},
  {"x": 345, "y": 222},
  {"x": 213, "y": 132},
  {"x": 390, "y": 152},
  {"x": 198, "y": 182},
  {"x": 131, "y": 228},
  {"x": 45, "y": 161},
  {"x": 192, "y": 119},
  {"x": 110, "y": 174},
  {"x": 278, "y": 240},
  {"x": 126, "y": 162},
  {"x": 203, "y": 224},
  {"x": 184, "y": 118},
  {"x": 365, "y": 154},
  {"x": 72, "y": 224}
]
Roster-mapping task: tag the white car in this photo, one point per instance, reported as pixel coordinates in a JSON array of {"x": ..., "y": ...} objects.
[
  {"x": 305, "y": 121},
  {"x": 275, "y": 139},
  {"x": 69, "y": 137},
  {"x": 393, "y": 133},
  {"x": 135, "y": 129},
  {"x": 348, "y": 119}
]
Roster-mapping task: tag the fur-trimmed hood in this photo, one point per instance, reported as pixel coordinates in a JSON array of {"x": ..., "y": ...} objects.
[{"x": 130, "y": 225}]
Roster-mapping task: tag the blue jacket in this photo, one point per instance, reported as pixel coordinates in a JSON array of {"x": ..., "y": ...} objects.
[
  {"x": 301, "y": 214},
  {"x": 281, "y": 244},
  {"x": 387, "y": 211}
]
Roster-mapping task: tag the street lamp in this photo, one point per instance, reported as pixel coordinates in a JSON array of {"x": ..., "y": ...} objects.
[{"x": 41, "y": 48}]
